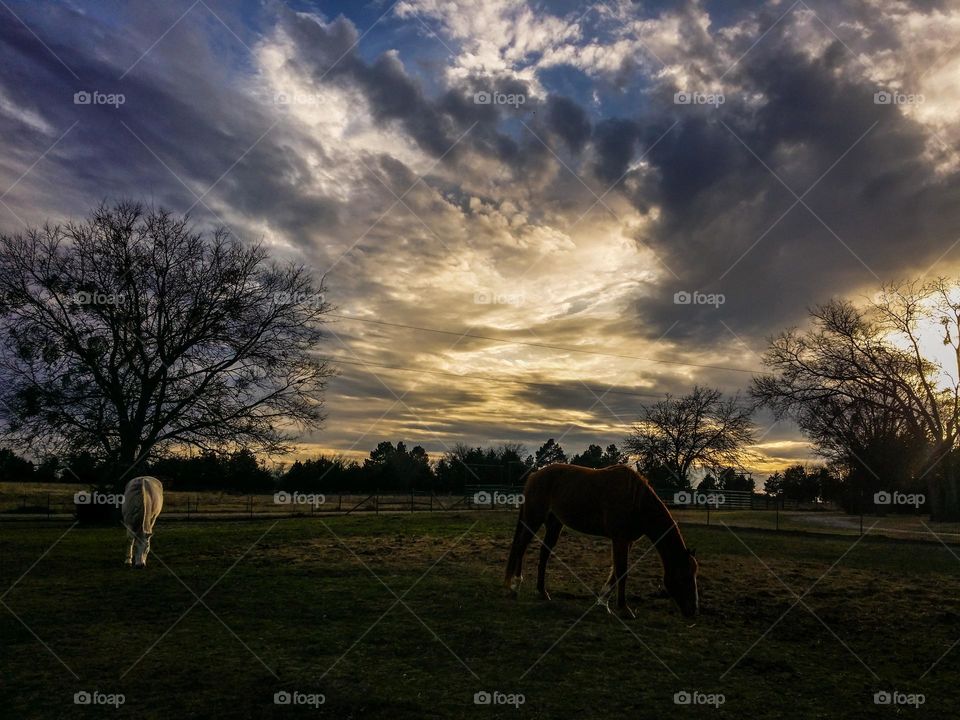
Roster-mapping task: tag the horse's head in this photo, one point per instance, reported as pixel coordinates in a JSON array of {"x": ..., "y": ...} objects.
[{"x": 680, "y": 582}]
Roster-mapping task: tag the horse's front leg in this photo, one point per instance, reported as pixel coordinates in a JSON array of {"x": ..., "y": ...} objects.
[
  {"x": 133, "y": 539},
  {"x": 621, "y": 549}
]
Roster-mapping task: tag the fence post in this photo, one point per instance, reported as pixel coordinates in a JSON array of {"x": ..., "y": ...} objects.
[
  {"x": 411, "y": 501},
  {"x": 48, "y": 506},
  {"x": 250, "y": 502}
]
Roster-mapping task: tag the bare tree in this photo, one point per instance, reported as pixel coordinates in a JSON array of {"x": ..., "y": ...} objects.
[
  {"x": 129, "y": 332},
  {"x": 874, "y": 363},
  {"x": 703, "y": 429}
]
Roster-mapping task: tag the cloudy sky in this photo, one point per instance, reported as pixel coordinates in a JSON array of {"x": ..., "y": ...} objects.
[{"x": 540, "y": 181}]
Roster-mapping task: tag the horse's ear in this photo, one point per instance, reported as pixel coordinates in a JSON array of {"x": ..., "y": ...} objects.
[{"x": 693, "y": 552}]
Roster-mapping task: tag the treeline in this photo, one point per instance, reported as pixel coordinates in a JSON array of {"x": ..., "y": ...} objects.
[{"x": 389, "y": 467}]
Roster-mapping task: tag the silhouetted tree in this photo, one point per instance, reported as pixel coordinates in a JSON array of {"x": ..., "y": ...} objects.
[
  {"x": 130, "y": 332},
  {"x": 464, "y": 465},
  {"x": 860, "y": 382},
  {"x": 798, "y": 482},
  {"x": 14, "y": 468},
  {"x": 702, "y": 429},
  {"x": 550, "y": 452},
  {"x": 595, "y": 457},
  {"x": 394, "y": 468}
]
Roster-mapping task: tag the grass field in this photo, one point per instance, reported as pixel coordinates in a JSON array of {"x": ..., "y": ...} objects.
[{"x": 311, "y": 606}]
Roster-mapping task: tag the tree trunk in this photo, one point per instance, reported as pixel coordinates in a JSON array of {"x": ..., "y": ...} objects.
[{"x": 945, "y": 490}]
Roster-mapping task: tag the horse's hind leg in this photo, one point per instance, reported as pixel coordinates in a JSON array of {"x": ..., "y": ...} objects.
[
  {"x": 527, "y": 526},
  {"x": 554, "y": 528},
  {"x": 621, "y": 549}
]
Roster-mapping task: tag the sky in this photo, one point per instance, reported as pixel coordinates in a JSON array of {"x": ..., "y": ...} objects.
[{"x": 595, "y": 203}]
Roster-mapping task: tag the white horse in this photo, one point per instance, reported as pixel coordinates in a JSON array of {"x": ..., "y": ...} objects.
[{"x": 142, "y": 502}]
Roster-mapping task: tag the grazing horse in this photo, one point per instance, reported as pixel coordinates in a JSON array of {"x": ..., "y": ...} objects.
[
  {"x": 615, "y": 502},
  {"x": 142, "y": 502}
]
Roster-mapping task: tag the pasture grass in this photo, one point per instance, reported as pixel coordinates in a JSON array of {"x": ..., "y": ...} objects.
[{"x": 312, "y": 605}]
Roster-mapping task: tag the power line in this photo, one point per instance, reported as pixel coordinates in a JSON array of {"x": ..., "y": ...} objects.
[
  {"x": 546, "y": 346},
  {"x": 485, "y": 378}
]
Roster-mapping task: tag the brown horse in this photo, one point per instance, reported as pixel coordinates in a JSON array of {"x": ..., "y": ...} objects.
[{"x": 616, "y": 502}]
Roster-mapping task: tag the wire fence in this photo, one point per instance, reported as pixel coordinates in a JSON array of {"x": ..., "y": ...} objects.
[{"x": 733, "y": 509}]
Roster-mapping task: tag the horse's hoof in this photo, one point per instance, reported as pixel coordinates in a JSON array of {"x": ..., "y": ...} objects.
[{"x": 544, "y": 595}]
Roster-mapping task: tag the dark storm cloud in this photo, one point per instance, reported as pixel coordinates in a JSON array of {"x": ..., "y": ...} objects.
[
  {"x": 328, "y": 54},
  {"x": 718, "y": 199},
  {"x": 138, "y": 148},
  {"x": 568, "y": 120}
]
